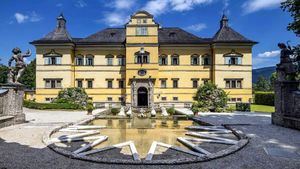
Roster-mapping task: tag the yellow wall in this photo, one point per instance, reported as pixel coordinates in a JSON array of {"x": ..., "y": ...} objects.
[{"x": 216, "y": 72}]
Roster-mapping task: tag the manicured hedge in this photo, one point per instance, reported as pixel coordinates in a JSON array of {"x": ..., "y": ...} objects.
[
  {"x": 171, "y": 111},
  {"x": 244, "y": 107},
  {"x": 264, "y": 98},
  {"x": 42, "y": 106}
]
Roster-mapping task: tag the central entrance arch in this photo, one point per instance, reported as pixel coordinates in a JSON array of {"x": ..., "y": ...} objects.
[{"x": 142, "y": 97}]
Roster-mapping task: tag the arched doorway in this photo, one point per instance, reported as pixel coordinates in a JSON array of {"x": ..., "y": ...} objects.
[{"x": 142, "y": 97}]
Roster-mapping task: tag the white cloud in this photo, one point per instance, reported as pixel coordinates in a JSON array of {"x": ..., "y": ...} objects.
[
  {"x": 80, "y": 4},
  {"x": 114, "y": 19},
  {"x": 269, "y": 54},
  {"x": 31, "y": 17},
  {"x": 251, "y": 6},
  {"x": 123, "y": 4},
  {"x": 157, "y": 7},
  {"x": 197, "y": 27}
]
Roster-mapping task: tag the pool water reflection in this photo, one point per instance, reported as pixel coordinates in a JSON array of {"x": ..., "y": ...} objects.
[{"x": 142, "y": 131}]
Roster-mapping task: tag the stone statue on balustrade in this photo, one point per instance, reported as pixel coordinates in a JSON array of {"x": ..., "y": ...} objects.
[{"x": 16, "y": 72}]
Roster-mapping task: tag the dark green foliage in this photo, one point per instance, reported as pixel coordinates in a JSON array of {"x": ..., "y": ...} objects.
[
  {"x": 90, "y": 106},
  {"x": 264, "y": 98},
  {"x": 262, "y": 84},
  {"x": 171, "y": 111},
  {"x": 210, "y": 98},
  {"x": 245, "y": 107},
  {"x": 43, "y": 106},
  {"x": 114, "y": 111},
  {"x": 293, "y": 7},
  {"x": 3, "y": 74},
  {"x": 28, "y": 78},
  {"x": 75, "y": 95},
  {"x": 272, "y": 80}
]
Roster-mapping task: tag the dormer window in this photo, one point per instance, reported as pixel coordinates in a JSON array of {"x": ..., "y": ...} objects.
[
  {"x": 172, "y": 34},
  {"x": 112, "y": 34},
  {"x": 144, "y": 20},
  {"x": 138, "y": 21}
]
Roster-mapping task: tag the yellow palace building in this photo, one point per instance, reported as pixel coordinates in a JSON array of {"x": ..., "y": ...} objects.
[{"x": 143, "y": 64}]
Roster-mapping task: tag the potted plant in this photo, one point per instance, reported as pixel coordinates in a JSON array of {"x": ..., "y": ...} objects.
[{"x": 90, "y": 107}]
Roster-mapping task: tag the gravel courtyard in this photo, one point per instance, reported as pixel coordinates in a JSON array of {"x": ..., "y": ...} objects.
[{"x": 270, "y": 146}]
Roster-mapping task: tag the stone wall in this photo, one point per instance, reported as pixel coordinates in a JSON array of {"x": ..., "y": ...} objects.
[
  {"x": 11, "y": 105},
  {"x": 287, "y": 104}
]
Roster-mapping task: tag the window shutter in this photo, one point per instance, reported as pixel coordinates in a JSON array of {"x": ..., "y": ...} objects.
[
  {"x": 148, "y": 59},
  {"x": 58, "y": 60},
  {"x": 239, "y": 60},
  {"x": 227, "y": 60},
  {"x": 47, "y": 60},
  {"x": 160, "y": 60}
]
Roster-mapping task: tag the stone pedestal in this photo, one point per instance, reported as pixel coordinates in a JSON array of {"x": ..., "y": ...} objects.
[
  {"x": 12, "y": 104},
  {"x": 287, "y": 104}
]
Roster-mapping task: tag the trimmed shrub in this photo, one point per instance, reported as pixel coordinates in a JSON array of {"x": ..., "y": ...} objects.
[
  {"x": 43, "y": 106},
  {"x": 264, "y": 98},
  {"x": 73, "y": 96},
  {"x": 171, "y": 111},
  {"x": 114, "y": 111},
  {"x": 245, "y": 107},
  {"x": 210, "y": 98}
]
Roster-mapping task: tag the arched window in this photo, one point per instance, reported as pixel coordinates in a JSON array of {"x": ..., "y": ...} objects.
[
  {"x": 79, "y": 60},
  {"x": 121, "y": 60},
  {"x": 109, "y": 59},
  {"x": 89, "y": 60},
  {"x": 175, "y": 59},
  {"x": 233, "y": 58},
  {"x": 163, "y": 60},
  {"x": 142, "y": 57},
  {"x": 195, "y": 60},
  {"x": 206, "y": 60}
]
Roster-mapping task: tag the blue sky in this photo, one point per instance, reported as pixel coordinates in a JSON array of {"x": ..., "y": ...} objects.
[{"x": 23, "y": 21}]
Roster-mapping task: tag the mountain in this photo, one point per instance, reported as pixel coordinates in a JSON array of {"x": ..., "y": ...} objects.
[{"x": 265, "y": 72}]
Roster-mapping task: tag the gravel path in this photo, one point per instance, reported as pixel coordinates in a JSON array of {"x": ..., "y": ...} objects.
[{"x": 270, "y": 146}]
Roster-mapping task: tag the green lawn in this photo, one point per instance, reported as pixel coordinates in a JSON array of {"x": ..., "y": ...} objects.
[{"x": 262, "y": 108}]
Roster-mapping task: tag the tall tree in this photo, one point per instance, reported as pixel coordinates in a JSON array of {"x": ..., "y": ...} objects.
[
  {"x": 3, "y": 73},
  {"x": 28, "y": 78},
  {"x": 262, "y": 84},
  {"x": 293, "y": 6}
]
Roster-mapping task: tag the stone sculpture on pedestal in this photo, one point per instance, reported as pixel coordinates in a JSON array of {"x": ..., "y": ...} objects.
[{"x": 287, "y": 92}]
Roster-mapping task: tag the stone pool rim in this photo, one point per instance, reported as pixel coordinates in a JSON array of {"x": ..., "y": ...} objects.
[{"x": 242, "y": 142}]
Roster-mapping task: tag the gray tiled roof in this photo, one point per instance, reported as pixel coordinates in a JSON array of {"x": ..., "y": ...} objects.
[
  {"x": 109, "y": 35},
  {"x": 227, "y": 34}
]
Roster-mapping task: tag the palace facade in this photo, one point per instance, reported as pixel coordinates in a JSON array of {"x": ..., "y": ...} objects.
[{"x": 143, "y": 64}]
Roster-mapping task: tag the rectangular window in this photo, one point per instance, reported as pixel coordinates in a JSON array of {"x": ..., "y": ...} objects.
[
  {"x": 109, "y": 61},
  {"x": 121, "y": 61},
  {"x": 163, "y": 60},
  {"x": 138, "y": 21},
  {"x": 175, "y": 83},
  {"x": 144, "y": 20},
  {"x": 52, "y": 60},
  {"x": 175, "y": 61},
  {"x": 233, "y": 84},
  {"x": 110, "y": 84},
  {"x": 233, "y": 60},
  {"x": 79, "y": 83},
  {"x": 205, "y": 81},
  {"x": 141, "y": 31},
  {"x": 175, "y": 98},
  {"x": 121, "y": 84},
  {"x": 90, "y": 84},
  {"x": 109, "y": 99},
  {"x": 164, "y": 98},
  {"x": 89, "y": 61},
  {"x": 195, "y": 83},
  {"x": 52, "y": 84},
  {"x": 121, "y": 99},
  {"x": 47, "y": 99},
  {"x": 163, "y": 83}
]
